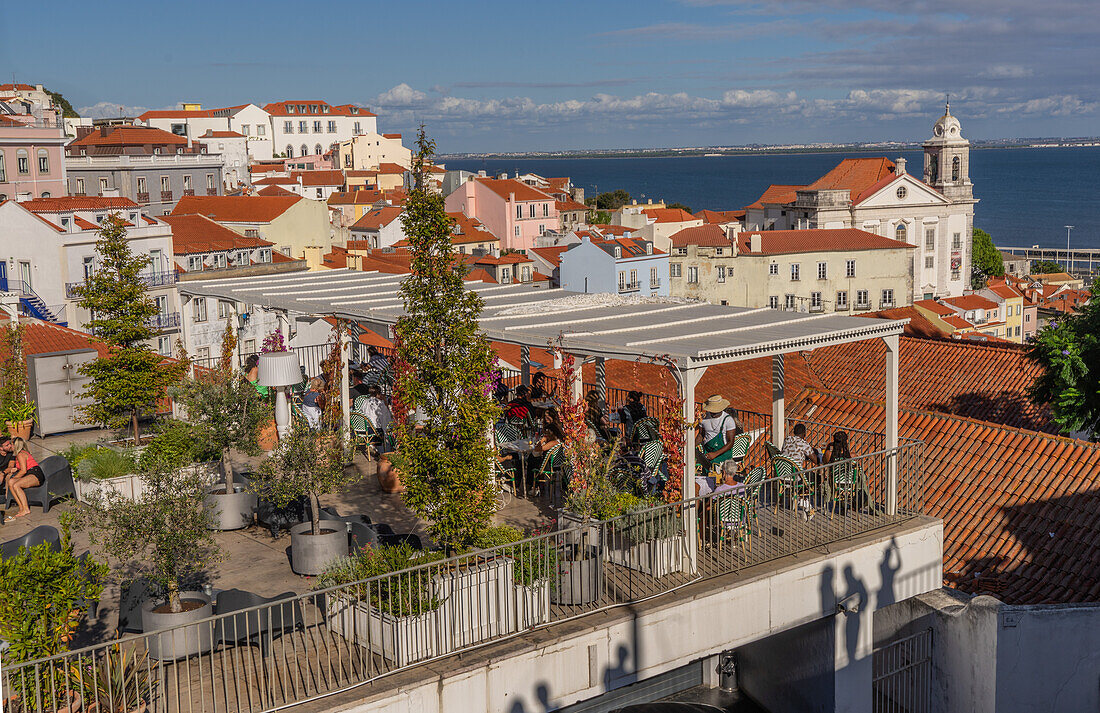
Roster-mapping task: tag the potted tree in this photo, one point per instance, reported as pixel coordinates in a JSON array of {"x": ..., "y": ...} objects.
[
  {"x": 165, "y": 537},
  {"x": 225, "y": 412},
  {"x": 128, "y": 380},
  {"x": 444, "y": 369},
  {"x": 16, "y": 411},
  {"x": 308, "y": 463}
]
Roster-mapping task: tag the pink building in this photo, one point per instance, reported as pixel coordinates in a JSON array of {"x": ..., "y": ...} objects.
[
  {"x": 513, "y": 211},
  {"x": 32, "y": 161}
]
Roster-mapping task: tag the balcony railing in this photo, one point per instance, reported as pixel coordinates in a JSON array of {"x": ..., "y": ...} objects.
[
  {"x": 337, "y": 638},
  {"x": 655, "y": 284},
  {"x": 162, "y": 322},
  {"x": 863, "y": 305},
  {"x": 165, "y": 196},
  {"x": 188, "y": 191},
  {"x": 211, "y": 191},
  {"x": 630, "y": 287},
  {"x": 143, "y": 197},
  {"x": 887, "y": 304},
  {"x": 151, "y": 279}
]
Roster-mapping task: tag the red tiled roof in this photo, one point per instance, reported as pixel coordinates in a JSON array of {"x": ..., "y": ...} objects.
[
  {"x": 277, "y": 256},
  {"x": 720, "y": 216},
  {"x": 45, "y": 337},
  {"x": 619, "y": 230},
  {"x": 16, "y": 87},
  {"x": 267, "y": 168},
  {"x": 236, "y": 209},
  {"x": 71, "y": 203},
  {"x": 919, "y": 325},
  {"x": 1004, "y": 291},
  {"x": 378, "y": 218},
  {"x": 972, "y": 379},
  {"x": 1053, "y": 277},
  {"x": 669, "y": 215},
  {"x": 391, "y": 168},
  {"x": 480, "y": 274},
  {"x": 130, "y": 136},
  {"x": 391, "y": 136},
  {"x": 854, "y": 175},
  {"x": 504, "y": 187},
  {"x": 968, "y": 302},
  {"x": 276, "y": 191},
  {"x": 85, "y": 224},
  {"x": 6, "y": 120},
  {"x": 198, "y": 234},
  {"x": 775, "y": 242},
  {"x": 360, "y": 173},
  {"x": 355, "y": 197},
  {"x": 552, "y": 255},
  {"x": 212, "y": 134},
  {"x": 570, "y": 205},
  {"x": 957, "y": 322},
  {"x": 1018, "y": 507},
  {"x": 320, "y": 177},
  {"x": 274, "y": 181},
  {"x": 176, "y": 114},
  {"x": 707, "y": 235},
  {"x": 279, "y": 109},
  {"x": 935, "y": 307},
  {"x": 775, "y": 194}
]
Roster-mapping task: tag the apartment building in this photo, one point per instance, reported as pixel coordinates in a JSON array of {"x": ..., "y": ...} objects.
[
  {"x": 307, "y": 127},
  {"x": 823, "y": 270},
  {"x": 31, "y": 158},
  {"x": 379, "y": 228},
  {"x": 625, "y": 266},
  {"x": 193, "y": 121},
  {"x": 513, "y": 211},
  {"x": 292, "y": 224},
  {"x": 371, "y": 150}
]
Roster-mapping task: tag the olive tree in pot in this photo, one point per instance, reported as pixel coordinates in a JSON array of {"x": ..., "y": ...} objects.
[
  {"x": 226, "y": 413},
  {"x": 308, "y": 463},
  {"x": 165, "y": 537}
]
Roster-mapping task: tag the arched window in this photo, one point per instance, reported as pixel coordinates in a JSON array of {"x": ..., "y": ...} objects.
[
  {"x": 934, "y": 169},
  {"x": 899, "y": 232},
  {"x": 317, "y": 149},
  {"x": 22, "y": 161},
  {"x": 289, "y": 151},
  {"x": 45, "y": 194},
  {"x": 43, "y": 161},
  {"x": 955, "y": 169},
  {"x": 305, "y": 150}
]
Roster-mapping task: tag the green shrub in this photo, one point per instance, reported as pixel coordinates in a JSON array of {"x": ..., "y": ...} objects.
[
  {"x": 533, "y": 561},
  {"x": 400, "y": 594},
  {"x": 175, "y": 445},
  {"x": 104, "y": 463},
  {"x": 76, "y": 452},
  {"x": 119, "y": 682}
]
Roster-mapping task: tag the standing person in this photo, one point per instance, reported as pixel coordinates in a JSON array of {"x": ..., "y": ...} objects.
[
  {"x": 311, "y": 402},
  {"x": 717, "y": 429},
  {"x": 378, "y": 366},
  {"x": 27, "y": 474},
  {"x": 538, "y": 387},
  {"x": 378, "y": 415}
]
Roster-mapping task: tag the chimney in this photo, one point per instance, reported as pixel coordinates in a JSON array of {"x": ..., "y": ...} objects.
[
  {"x": 38, "y": 88},
  {"x": 24, "y": 196},
  {"x": 103, "y": 130},
  {"x": 557, "y": 359},
  {"x": 732, "y": 230},
  {"x": 755, "y": 243},
  {"x": 313, "y": 256},
  {"x": 899, "y": 167}
]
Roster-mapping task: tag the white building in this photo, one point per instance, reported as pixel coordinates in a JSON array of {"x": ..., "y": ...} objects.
[
  {"x": 370, "y": 151},
  {"x": 193, "y": 121},
  {"x": 303, "y": 128},
  {"x": 379, "y": 228},
  {"x": 233, "y": 148},
  {"x": 49, "y": 245},
  {"x": 880, "y": 196}
]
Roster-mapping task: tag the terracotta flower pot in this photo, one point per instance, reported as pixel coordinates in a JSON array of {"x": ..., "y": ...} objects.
[
  {"x": 268, "y": 437},
  {"x": 389, "y": 479},
  {"x": 20, "y": 429}
]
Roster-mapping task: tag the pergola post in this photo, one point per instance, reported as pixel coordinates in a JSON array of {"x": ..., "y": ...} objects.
[
  {"x": 525, "y": 365},
  {"x": 688, "y": 379},
  {"x": 601, "y": 377},
  {"x": 778, "y": 417},
  {"x": 892, "y": 347},
  {"x": 345, "y": 381}
]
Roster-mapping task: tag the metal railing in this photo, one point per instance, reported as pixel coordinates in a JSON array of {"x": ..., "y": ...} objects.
[
  {"x": 151, "y": 279},
  {"x": 312, "y": 645},
  {"x": 164, "y": 320},
  {"x": 630, "y": 286},
  {"x": 309, "y": 356}
]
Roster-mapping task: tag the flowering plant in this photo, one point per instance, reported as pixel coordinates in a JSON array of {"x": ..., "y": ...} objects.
[{"x": 274, "y": 342}]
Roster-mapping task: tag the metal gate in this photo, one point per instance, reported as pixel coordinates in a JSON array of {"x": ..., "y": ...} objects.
[{"x": 902, "y": 675}]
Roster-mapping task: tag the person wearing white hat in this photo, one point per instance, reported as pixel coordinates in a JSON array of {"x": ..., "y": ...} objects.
[{"x": 716, "y": 432}]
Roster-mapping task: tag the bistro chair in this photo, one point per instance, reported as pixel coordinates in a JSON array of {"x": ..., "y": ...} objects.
[
  {"x": 645, "y": 430},
  {"x": 845, "y": 483},
  {"x": 733, "y": 518},
  {"x": 792, "y": 481},
  {"x": 548, "y": 467}
]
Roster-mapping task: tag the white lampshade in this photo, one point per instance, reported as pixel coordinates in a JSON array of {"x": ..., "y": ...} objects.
[{"x": 279, "y": 369}]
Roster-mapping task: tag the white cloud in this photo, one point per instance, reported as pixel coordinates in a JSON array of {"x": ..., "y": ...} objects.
[
  {"x": 1055, "y": 105},
  {"x": 106, "y": 110},
  {"x": 1006, "y": 71}
]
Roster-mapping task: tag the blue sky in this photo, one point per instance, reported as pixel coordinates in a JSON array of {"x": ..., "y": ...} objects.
[{"x": 523, "y": 75}]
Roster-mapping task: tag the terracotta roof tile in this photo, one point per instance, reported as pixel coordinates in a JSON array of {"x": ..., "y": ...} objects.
[
  {"x": 504, "y": 187},
  {"x": 72, "y": 203},
  {"x": 236, "y": 209},
  {"x": 969, "y": 302},
  {"x": 720, "y": 216},
  {"x": 45, "y": 337},
  {"x": 280, "y": 109},
  {"x": 320, "y": 177},
  {"x": 669, "y": 215},
  {"x": 708, "y": 235},
  {"x": 854, "y": 175},
  {"x": 130, "y": 136},
  {"x": 775, "y": 194},
  {"x": 198, "y": 234},
  {"x": 919, "y": 325},
  {"x": 378, "y": 218}
]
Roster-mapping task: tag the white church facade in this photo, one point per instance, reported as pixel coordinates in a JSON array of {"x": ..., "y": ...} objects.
[{"x": 936, "y": 214}]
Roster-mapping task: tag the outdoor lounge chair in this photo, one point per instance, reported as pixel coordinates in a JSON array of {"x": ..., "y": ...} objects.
[
  {"x": 57, "y": 483},
  {"x": 258, "y": 626},
  {"x": 131, "y": 595},
  {"x": 39, "y": 535},
  {"x": 792, "y": 481}
]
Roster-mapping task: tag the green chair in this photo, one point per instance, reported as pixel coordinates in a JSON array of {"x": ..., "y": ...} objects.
[
  {"x": 740, "y": 448},
  {"x": 645, "y": 430},
  {"x": 733, "y": 518},
  {"x": 505, "y": 432},
  {"x": 652, "y": 453},
  {"x": 792, "y": 480},
  {"x": 845, "y": 484},
  {"x": 753, "y": 484},
  {"x": 361, "y": 433},
  {"x": 551, "y": 460}
]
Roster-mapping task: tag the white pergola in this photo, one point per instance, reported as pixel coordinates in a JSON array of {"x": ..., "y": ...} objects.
[{"x": 688, "y": 336}]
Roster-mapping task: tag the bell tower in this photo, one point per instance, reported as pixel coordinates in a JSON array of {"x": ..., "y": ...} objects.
[{"x": 947, "y": 159}]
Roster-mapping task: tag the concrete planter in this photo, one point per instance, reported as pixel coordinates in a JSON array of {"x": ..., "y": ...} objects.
[
  {"x": 178, "y": 642},
  {"x": 476, "y": 601},
  {"x": 311, "y": 554},
  {"x": 579, "y": 579},
  {"x": 230, "y": 511},
  {"x": 530, "y": 606},
  {"x": 130, "y": 487},
  {"x": 658, "y": 557},
  {"x": 400, "y": 639},
  {"x": 588, "y": 534}
]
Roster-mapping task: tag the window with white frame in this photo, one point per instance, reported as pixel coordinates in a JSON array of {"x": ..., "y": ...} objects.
[
  {"x": 225, "y": 309},
  {"x": 164, "y": 346},
  {"x": 165, "y": 184},
  {"x": 22, "y": 161},
  {"x": 653, "y": 277},
  {"x": 142, "y": 187},
  {"x": 517, "y": 231},
  {"x": 194, "y": 263},
  {"x": 332, "y": 127},
  {"x": 693, "y": 274},
  {"x": 3, "y": 171},
  {"x": 796, "y": 271},
  {"x": 887, "y": 298},
  {"x": 815, "y": 300},
  {"x": 219, "y": 260},
  {"x": 187, "y": 182},
  {"x": 842, "y": 299},
  {"x": 545, "y": 210},
  {"x": 198, "y": 309},
  {"x": 265, "y": 255},
  {"x": 79, "y": 181},
  {"x": 718, "y": 251},
  {"x": 261, "y": 130},
  {"x": 788, "y": 301},
  {"x": 822, "y": 271},
  {"x": 930, "y": 238},
  {"x": 622, "y": 280},
  {"x": 773, "y": 301},
  {"x": 956, "y": 241},
  {"x": 929, "y": 262},
  {"x": 102, "y": 185},
  {"x": 849, "y": 268},
  {"x": 674, "y": 269},
  {"x": 288, "y": 127},
  {"x": 43, "y": 161},
  {"x": 357, "y": 129},
  {"x": 773, "y": 269},
  {"x": 505, "y": 274},
  {"x": 863, "y": 298},
  {"x": 721, "y": 271},
  {"x": 210, "y": 181},
  {"x": 303, "y": 127},
  {"x": 519, "y": 211},
  {"x": 531, "y": 210},
  {"x": 316, "y": 127}
]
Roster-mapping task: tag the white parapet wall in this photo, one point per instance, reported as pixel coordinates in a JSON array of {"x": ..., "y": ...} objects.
[{"x": 582, "y": 659}]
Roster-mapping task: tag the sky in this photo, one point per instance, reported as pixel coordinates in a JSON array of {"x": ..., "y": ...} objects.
[{"x": 516, "y": 76}]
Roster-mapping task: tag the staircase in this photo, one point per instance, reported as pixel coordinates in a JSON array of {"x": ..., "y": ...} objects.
[{"x": 34, "y": 305}]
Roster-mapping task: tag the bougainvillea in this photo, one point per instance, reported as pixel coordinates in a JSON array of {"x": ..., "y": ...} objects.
[{"x": 274, "y": 342}]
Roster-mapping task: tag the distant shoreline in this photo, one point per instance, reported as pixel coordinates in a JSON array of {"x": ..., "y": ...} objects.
[{"x": 711, "y": 153}]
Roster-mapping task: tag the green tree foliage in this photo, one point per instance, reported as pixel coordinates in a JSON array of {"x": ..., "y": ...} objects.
[
  {"x": 598, "y": 217},
  {"x": 306, "y": 463},
  {"x": 681, "y": 206},
  {"x": 131, "y": 377},
  {"x": 986, "y": 259},
  {"x": 165, "y": 535},
  {"x": 13, "y": 368},
  {"x": 445, "y": 370},
  {"x": 1045, "y": 267},
  {"x": 224, "y": 409},
  {"x": 44, "y": 594},
  {"x": 611, "y": 200},
  {"x": 67, "y": 110},
  {"x": 1069, "y": 351}
]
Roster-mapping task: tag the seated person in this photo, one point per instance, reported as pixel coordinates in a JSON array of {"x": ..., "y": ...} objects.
[
  {"x": 26, "y": 474},
  {"x": 252, "y": 373},
  {"x": 378, "y": 366},
  {"x": 518, "y": 412},
  {"x": 539, "y": 391},
  {"x": 632, "y": 411},
  {"x": 837, "y": 450},
  {"x": 797, "y": 449},
  {"x": 7, "y": 458},
  {"x": 731, "y": 479},
  {"x": 599, "y": 421},
  {"x": 358, "y": 387},
  {"x": 552, "y": 431},
  {"x": 378, "y": 415}
]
